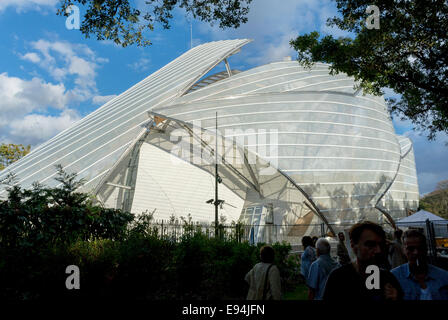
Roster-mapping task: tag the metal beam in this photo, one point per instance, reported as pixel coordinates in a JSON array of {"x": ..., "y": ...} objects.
[
  {"x": 228, "y": 165},
  {"x": 124, "y": 155},
  {"x": 388, "y": 217},
  {"x": 167, "y": 122},
  {"x": 118, "y": 186},
  {"x": 249, "y": 168},
  {"x": 229, "y": 71},
  {"x": 377, "y": 203}
]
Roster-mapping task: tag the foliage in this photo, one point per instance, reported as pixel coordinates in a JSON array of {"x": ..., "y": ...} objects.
[
  {"x": 135, "y": 268},
  {"x": 120, "y": 256},
  {"x": 437, "y": 201},
  {"x": 10, "y": 153},
  {"x": 119, "y": 21},
  {"x": 409, "y": 54},
  {"x": 298, "y": 293},
  {"x": 289, "y": 266},
  {"x": 30, "y": 218}
]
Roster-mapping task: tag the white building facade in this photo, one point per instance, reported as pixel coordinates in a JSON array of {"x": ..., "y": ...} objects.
[{"x": 296, "y": 148}]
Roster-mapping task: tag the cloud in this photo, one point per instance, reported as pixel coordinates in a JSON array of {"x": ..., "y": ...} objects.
[
  {"x": 23, "y": 101},
  {"x": 275, "y": 51},
  {"x": 35, "y": 128},
  {"x": 68, "y": 61},
  {"x": 34, "y": 110},
  {"x": 24, "y": 5},
  {"x": 329, "y": 11},
  {"x": 402, "y": 125},
  {"x": 141, "y": 65},
  {"x": 19, "y": 96},
  {"x": 31, "y": 56},
  {"x": 272, "y": 25},
  {"x": 390, "y": 93}
]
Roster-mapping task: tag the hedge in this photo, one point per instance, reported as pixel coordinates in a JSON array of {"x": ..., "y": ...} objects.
[{"x": 120, "y": 255}]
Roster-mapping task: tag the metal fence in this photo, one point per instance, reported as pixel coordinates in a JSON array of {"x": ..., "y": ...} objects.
[{"x": 267, "y": 233}]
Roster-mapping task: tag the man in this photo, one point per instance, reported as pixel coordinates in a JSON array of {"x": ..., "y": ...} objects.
[
  {"x": 348, "y": 282},
  {"x": 342, "y": 251},
  {"x": 320, "y": 269},
  {"x": 419, "y": 279},
  {"x": 308, "y": 256},
  {"x": 396, "y": 252},
  {"x": 264, "y": 278}
]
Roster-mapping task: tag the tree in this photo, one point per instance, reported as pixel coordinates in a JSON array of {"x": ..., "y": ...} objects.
[
  {"x": 119, "y": 21},
  {"x": 10, "y": 153},
  {"x": 36, "y": 217},
  {"x": 442, "y": 185},
  {"x": 437, "y": 201},
  {"x": 408, "y": 53}
]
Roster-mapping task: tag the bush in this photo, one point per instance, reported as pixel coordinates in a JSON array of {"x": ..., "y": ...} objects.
[
  {"x": 120, "y": 256},
  {"x": 138, "y": 268},
  {"x": 41, "y": 216}
]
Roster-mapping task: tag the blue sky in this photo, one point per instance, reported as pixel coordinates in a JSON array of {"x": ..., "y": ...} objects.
[{"x": 51, "y": 77}]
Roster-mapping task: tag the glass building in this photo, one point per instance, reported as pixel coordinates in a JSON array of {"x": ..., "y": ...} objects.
[{"x": 299, "y": 151}]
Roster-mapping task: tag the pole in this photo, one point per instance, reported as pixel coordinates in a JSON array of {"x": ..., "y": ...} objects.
[
  {"x": 216, "y": 178},
  {"x": 431, "y": 241}
]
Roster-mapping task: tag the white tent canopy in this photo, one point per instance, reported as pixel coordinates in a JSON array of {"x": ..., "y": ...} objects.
[{"x": 419, "y": 218}]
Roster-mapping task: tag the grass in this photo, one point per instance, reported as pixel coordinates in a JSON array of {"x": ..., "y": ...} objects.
[{"x": 299, "y": 293}]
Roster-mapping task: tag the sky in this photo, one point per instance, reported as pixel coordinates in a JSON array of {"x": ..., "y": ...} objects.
[{"x": 51, "y": 76}]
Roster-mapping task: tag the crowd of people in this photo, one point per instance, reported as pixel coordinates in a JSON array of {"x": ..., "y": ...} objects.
[{"x": 403, "y": 270}]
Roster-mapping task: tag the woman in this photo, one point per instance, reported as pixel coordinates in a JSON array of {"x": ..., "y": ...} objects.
[{"x": 264, "y": 278}]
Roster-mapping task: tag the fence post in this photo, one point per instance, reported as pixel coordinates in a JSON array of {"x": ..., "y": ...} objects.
[{"x": 431, "y": 241}]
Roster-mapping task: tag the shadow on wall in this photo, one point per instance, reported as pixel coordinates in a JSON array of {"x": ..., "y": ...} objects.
[{"x": 342, "y": 206}]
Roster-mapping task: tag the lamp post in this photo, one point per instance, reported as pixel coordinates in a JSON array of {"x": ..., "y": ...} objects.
[
  {"x": 216, "y": 177},
  {"x": 216, "y": 202}
]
